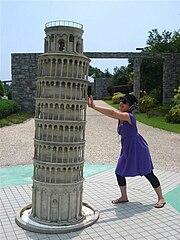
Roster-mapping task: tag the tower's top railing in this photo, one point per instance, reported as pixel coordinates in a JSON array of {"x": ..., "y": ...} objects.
[{"x": 63, "y": 23}]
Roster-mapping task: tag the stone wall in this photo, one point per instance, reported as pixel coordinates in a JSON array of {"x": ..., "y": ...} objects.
[
  {"x": 171, "y": 72},
  {"x": 100, "y": 87},
  {"x": 24, "y": 74},
  {"x": 177, "y": 70}
]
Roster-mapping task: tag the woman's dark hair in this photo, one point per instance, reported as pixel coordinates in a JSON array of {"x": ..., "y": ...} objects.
[{"x": 132, "y": 100}]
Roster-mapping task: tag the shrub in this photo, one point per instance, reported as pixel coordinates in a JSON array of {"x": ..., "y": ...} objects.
[
  {"x": 176, "y": 98},
  {"x": 7, "y": 107},
  {"x": 174, "y": 114},
  {"x": 116, "y": 97},
  {"x": 160, "y": 110},
  {"x": 147, "y": 103}
]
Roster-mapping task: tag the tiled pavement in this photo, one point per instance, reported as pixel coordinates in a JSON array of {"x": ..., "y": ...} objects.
[{"x": 137, "y": 219}]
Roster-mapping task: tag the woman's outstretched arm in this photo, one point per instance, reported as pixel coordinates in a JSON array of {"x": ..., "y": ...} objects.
[{"x": 108, "y": 111}]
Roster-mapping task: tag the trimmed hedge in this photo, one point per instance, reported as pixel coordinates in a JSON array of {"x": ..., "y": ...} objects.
[{"x": 8, "y": 107}]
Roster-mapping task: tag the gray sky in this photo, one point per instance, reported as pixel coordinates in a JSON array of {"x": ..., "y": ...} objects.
[{"x": 114, "y": 25}]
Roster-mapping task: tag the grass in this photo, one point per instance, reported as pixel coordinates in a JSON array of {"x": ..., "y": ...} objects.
[
  {"x": 15, "y": 118},
  {"x": 155, "y": 121},
  {"x": 158, "y": 122}
]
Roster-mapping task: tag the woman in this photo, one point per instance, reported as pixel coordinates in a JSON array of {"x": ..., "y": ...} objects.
[{"x": 134, "y": 158}]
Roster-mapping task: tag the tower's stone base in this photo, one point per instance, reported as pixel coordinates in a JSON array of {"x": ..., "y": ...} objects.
[{"x": 90, "y": 216}]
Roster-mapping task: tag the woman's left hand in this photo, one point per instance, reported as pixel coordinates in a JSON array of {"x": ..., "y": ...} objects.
[{"x": 91, "y": 102}]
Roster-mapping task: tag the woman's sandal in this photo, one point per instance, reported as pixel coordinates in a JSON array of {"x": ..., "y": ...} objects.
[
  {"x": 160, "y": 205},
  {"x": 117, "y": 201}
]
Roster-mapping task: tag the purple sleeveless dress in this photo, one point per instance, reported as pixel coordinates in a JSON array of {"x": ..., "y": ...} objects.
[{"x": 134, "y": 158}]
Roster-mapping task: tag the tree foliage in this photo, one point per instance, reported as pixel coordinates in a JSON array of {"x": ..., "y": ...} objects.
[
  {"x": 1, "y": 88},
  {"x": 98, "y": 73},
  {"x": 122, "y": 75},
  {"x": 167, "y": 42}
]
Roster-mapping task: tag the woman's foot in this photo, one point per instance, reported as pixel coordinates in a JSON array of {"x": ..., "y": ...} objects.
[
  {"x": 160, "y": 203},
  {"x": 120, "y": 200}
]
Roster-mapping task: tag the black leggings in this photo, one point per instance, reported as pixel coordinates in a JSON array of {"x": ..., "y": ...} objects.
[{"x": 150, "y": 176}]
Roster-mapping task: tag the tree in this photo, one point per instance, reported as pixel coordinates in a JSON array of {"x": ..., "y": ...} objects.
[
  {"x": 122, "y": 75},
  {"x": 1, "y": 88},
  {"x": 167, "y": 42},
  {"x": 9, "y": 92},
  {"x": 96, "y": 72},
  {"x": 107, "y": 74}
]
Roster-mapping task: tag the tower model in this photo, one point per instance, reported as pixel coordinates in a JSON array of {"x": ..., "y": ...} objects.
[{"x": 60, "y": 119}]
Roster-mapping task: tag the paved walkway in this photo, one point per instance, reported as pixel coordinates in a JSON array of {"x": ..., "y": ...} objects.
[{"x": 137, "y": 219}]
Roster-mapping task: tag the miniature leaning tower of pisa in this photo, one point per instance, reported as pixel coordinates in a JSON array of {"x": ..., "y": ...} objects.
[{"x": 60, "y": 118}]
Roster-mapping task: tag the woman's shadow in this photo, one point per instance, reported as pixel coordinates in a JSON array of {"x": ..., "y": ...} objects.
[{"x": 125, "y": 210}]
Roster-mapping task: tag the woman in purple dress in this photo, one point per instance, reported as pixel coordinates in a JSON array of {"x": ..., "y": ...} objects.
[{"x": 134, "y": 158}]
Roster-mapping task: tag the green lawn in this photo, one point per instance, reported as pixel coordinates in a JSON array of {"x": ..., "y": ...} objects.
[
  {"x": 15, "y": 118},
  {"x": 156, "y": 121}
]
